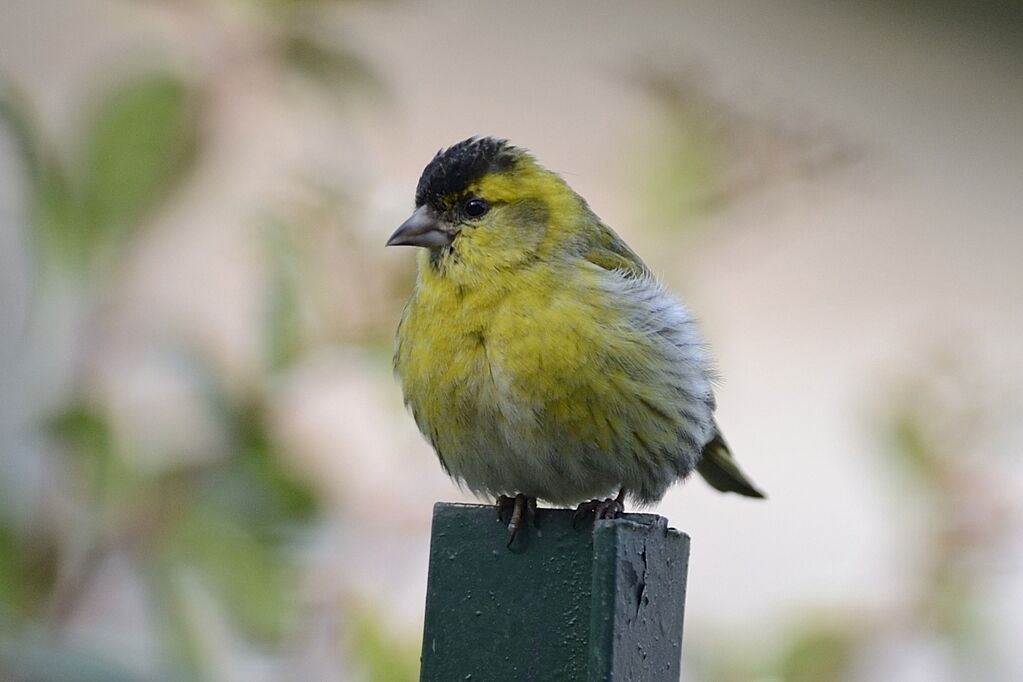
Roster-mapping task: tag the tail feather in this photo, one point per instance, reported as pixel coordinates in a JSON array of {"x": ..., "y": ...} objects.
[{"x": 721, "y": 471}]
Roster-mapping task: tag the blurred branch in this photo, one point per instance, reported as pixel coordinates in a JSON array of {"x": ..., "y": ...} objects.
[
  {"x": 332, "y": 66},
  {"x": 708, "y": 153},
  {"x": 19, "y": 117},
  {"x": 940, "y": 422}
]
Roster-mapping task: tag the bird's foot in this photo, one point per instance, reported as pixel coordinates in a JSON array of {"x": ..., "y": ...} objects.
[
  {"x": 520, "y": 506},
  {"x": 611, "y": 508}
]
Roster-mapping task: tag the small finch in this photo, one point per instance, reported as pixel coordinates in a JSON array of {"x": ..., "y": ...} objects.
[{"x": 538, "y": 354}]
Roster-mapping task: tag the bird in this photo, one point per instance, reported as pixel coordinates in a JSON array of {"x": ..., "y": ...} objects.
[{"x": 539, "y": 355}]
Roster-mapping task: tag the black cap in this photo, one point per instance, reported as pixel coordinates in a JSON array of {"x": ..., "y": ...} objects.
[{"x": 454, "y": 168}]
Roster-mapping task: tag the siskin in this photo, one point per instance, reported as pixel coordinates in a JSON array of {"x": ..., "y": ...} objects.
[{"x": 538, "y": 354}]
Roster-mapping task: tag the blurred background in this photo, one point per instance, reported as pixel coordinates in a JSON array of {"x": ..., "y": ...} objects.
[{"x": 206, "y": 471}]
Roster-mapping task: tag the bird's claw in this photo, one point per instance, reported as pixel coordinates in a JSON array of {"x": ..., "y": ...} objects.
[
  {"x": 520, "y": 506},
  {"x": 503, "y": 504},
  {"x": 610, "y": 508}
]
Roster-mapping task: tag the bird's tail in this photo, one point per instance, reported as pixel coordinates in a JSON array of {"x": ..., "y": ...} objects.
[{"x": 719, "y": 468}]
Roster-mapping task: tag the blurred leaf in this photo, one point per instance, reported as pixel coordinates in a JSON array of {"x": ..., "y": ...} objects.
[
  {"x": 818, "y": 654},
  {"x": 254, "y": 577},
  {"x": 235, "y": 527},
  {"x": 83, "y": 430},
  {"x": 59, "y": 219},
  {"x": 28, "y": 570},
  {"x": 382, "y": 656},
  {"x": 252, "y": 485},
  {"x": 327, "y": 64},
  {"x": 86, "y": 436},
  {"x": 137, "y": 149},
  {"x": 910, "y": 444},
  {"x": 280, "y": 497}
]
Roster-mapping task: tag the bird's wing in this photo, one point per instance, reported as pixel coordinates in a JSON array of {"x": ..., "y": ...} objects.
[
  {"x": 716, "y": 465},
  {"x": 607, "y": 250}
]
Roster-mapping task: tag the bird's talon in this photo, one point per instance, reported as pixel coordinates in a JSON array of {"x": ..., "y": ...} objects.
[
  {"x": 503, "y": 504},
  {"x": 582, "y": 511},
  {"x": 520, "y": 505},
  {"x": 610, "y": 508}
]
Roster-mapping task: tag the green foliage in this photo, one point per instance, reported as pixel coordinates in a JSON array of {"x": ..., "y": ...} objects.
[
  {"x": 284, "y": 302},
  {"x": 329, "y": 65},
  {"x": 224, "y": 525},
  {"x": 28, "y": 571},
  {"x": 380, "y": 656},
  {"x": 228, "y": 521},
  {"x": 137, "y": 148},
  {"x": 678, "y": 163},
  {"x": 86, "y": 437},
  {"x": 909, "y": 444},
  {"x": 817, "y": 653},
  {"x": 256, "y": 486},
  {"x": 250, "y": 575},
  {"x": 679, "y": 171},
  {"x": 61, "y": 232}
]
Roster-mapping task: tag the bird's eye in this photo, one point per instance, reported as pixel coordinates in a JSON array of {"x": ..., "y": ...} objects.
[{"x": 476, "y": 207}]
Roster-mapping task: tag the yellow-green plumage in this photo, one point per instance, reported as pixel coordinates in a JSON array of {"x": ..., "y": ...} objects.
[{"x": 537, "y": 353}]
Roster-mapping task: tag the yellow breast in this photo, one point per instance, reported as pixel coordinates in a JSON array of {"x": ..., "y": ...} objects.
[{"x": 539, "y": 383}]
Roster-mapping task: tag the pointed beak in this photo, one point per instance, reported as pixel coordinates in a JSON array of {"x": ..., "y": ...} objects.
[{"x": 422, "y": 229}]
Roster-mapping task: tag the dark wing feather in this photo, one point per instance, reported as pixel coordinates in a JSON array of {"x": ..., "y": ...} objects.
[
  {"x": 719, "y": 468},
  {"x": 606, "y": 249}
]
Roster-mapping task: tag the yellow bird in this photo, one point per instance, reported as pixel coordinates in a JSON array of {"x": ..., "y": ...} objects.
[{"x": 538, "y": 354}]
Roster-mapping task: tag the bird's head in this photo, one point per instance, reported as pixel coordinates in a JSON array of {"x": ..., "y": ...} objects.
[{"x": 484, "y": 204}]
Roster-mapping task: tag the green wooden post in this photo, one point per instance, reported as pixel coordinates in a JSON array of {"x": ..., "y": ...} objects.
[{"x": 601, "y": 602}]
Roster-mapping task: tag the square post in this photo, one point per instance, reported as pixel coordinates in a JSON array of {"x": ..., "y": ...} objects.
[{"x": 603, "y": 601}]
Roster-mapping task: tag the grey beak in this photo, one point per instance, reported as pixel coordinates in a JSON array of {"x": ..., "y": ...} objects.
[{"x": 422, "y": 229}]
